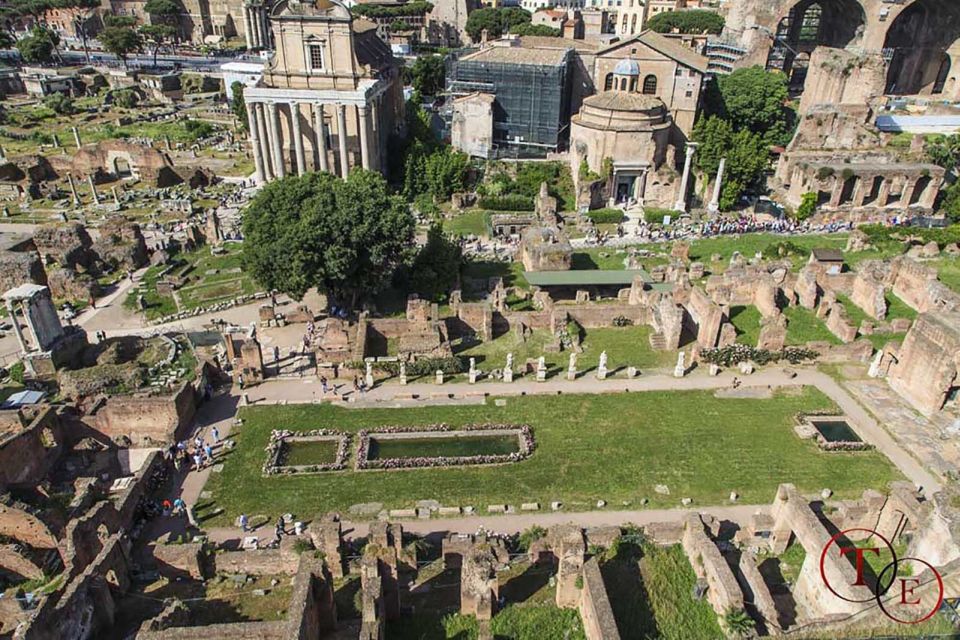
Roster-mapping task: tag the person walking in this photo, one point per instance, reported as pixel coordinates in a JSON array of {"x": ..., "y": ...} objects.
[
  {"x": 215, "y": 434},
  {"x": 243, "y": 523}
]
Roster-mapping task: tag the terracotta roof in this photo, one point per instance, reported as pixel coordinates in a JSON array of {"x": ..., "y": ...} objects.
[
  {"x": 518, "y": 55},
  {"x": 549, "y": 42},
  {"x": 623, "y": 101},
  {"x": 682, "y": 54}
]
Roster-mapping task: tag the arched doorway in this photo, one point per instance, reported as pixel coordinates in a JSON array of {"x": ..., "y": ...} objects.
[
  {"x": 810, "y": 24},
  {"x": 918, "y": 45}
]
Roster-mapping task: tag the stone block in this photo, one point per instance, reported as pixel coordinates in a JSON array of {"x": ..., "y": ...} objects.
[
  {"x": 403, "y": 513},
  {"x": 530, "y": 506}
]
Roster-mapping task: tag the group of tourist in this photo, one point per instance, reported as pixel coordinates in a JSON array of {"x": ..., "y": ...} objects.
[{"x": 201, "y": 454}]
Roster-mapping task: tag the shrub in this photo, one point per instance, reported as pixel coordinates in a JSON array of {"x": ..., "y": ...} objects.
[
  {"x": 531, "y": 535},
  {"x": 421, "y": 367},
  {"x": 606, "y": 216},
  {"x": 622, "y": 321},
  {"x": 734, "y": 354},
  {"x": 808, "y": 205},
  {"x": 655, "y": 215},
  {"x": 507, "y": 203},
  {"x": 16, "y": 372},
  {"x": 125, "y": 98},
  {"x": 783, "y": 249},
  {"x": 302, "y": 545},
  {"x": 824, "y": 172}
]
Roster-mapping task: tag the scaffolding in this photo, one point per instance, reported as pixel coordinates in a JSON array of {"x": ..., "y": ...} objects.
[{"x": 532, "y": 107}]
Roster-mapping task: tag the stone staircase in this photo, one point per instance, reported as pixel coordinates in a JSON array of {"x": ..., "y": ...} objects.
[{"x": 658, "y": 342}]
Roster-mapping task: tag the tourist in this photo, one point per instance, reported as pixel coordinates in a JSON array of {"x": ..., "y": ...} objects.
[
  {"x": 198, "y": 461},
  {"x": 198, "y": 442},
  {"x": 279, "y": 530},
  {"x": 178, "y": 506},
  {"x": 243, "y": 523},
  {"x": 240, "y": 380},
  {"x": 276, "y": 353},
  {"x": 215, "y": 434},
  {"x": 323, "y": 385},
  {"x": 167, "y": 506},
  {"x": 356, "y": 385},
  {"x": 208, "y": 452}
]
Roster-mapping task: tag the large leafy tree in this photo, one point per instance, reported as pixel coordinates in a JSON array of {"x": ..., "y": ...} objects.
[
  {"x": 692, "y": 21},
  {"x": 754, "y": 99},
  {"x": 163, "y": 12},
  {"x": 747, "y": 155},
  {"x": 495, "y": 21},
  {"x": 156, "y": 35},
  {"x": 38, "y": 46},
  {"x": 120, "y": 39},
  {"x": 428, "y": 75},
  {"x": 343, "y": 236},
  {"x": 446, "y": 171}
]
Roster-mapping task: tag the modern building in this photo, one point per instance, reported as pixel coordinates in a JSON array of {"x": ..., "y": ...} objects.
[
  {"x": 330, "y": 97},
  {"x": 531, "y": 89}
]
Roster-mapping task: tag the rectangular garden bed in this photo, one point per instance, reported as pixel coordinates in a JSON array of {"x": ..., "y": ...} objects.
[
  {"x": 306, "y": 452},
  {"x": 440, "y": 446}
]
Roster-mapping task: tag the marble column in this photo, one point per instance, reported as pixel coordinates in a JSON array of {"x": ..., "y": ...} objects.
[
  {"x": 342, "y": 140},
  {"x": 297, "y": 138},
  {"x": 681, "y": 204},
  {"x": 265, "y": 151},
  {"x": 248, "y": 27},
  {"x": 377, "y": 137},
  {"x": 363, "y": 125},
  {"x": 276, "y": 141},
  {"x": 320, "y": 138},
  {"x": 255, "y": 144},
  {"x": 640, "y": 186},
  {"x": 714, "y": 206}
]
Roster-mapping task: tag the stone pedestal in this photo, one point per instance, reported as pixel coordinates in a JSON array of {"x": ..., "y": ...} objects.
[
  {"x": 632, "y": 372},
  {"x": 508, "y": 375},
  {"x": 874, "y": 371},
  {"x": 714, "y": 370},
  {"x": 369, "y": 376},
  {"x": 601, "y": 373},
  {"x": 571, "y": 374},
  {"x": 541, "y": 374},
  {"x": 439, "y": 376},
  {"x": 681, "y": 369},
  {"x": 472, "y": 376}
]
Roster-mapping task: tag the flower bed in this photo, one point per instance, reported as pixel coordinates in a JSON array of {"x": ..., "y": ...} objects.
[
  {"x": 523, "y": 432},
  {"x": 279, "y": 447}
]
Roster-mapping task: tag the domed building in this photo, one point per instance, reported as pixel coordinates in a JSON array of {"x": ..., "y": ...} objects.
[{"x": 623, "y": 136}]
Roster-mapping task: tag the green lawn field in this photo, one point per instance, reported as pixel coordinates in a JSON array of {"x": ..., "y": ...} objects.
[{"x": 614, "y": 447}]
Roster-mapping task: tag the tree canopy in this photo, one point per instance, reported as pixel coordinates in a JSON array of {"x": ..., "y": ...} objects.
[
  {"x": 429, "y": 75},
  {"x": 38, "y": 46},
  {"x": 694, "y": 21},
  {"x": 754, "y": 99},
  {"x": 156, "y": 35},
  {"x": 343, "y": 236},
  {"x": 120, "y": 41},
  {"x": 495, "y": 21},
  {"x": 415, "y": 8},
  {"x": 239, "y": 105},
  {"x": 746, "y": 152},
  {"x": 528, "y": 29},
  {"x": 944, "y": 151}
]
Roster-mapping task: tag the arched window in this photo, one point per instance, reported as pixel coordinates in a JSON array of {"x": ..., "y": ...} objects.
[
  {"x": 623, "y": 84},
  {"x": 633, "y": 84},
  {"x": 623, "y": 25},
  {"x": 633, "y": 24},
  {"x": 650, "y": 85},
  {"x": 608, "y": 82}
]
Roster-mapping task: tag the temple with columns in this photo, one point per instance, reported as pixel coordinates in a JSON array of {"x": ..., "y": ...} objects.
[{"x": 330, "y": 96}]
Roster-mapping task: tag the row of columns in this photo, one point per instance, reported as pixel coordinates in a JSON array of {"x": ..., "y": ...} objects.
[
  {"x": 266, "y": 138},
  {"x": 255, "y": 26}
]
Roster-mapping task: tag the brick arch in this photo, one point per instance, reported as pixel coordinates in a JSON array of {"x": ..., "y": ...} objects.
[{"x": 924, "y": 43}]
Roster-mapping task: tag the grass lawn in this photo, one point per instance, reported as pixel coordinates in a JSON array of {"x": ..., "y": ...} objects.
[
  {"x": 651, "y": 592},
  {"x": 625, "y": 346},
  {"x": 749, "y": 244},
  {"x": 896, "y": 309},
  {"x": 474, "y": 222},
  {"x": 511, "y": 272},
  {"x": 804, "y": 326},
  {"x": 746, "y": 320},
  {"x": 310, "y": 452},
  {"x": 207, "y": 279},
  {"x": 614, "y": 447},
  {"x": 948, "y": 270}
]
